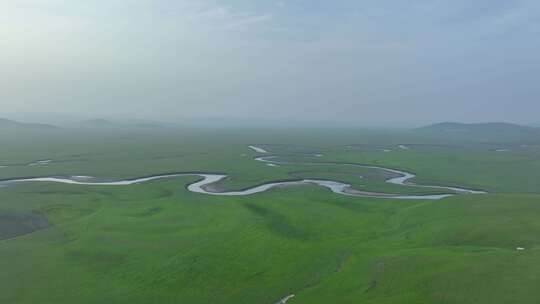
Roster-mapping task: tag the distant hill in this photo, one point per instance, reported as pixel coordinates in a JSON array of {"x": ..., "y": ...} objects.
[
  {"x": 454, "y": 127},
  {"x": 101, "y": 123},
  {"x": 6, "y": 124},
  {"x": 490, "y": 130},
  {"x": 93, "y": 123}
]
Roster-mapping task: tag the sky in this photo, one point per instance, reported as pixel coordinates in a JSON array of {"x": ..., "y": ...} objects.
[{"x": 358, "y": 61}]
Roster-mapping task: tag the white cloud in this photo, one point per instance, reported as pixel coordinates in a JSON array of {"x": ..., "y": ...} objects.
[
  {"x": 246, "y": 22},
  {"x": 229, "y": 19}
]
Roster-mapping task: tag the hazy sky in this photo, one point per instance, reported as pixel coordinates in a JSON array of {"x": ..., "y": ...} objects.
[{"x": 370, "y": 61}]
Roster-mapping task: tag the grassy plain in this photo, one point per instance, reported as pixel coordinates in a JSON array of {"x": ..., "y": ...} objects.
[{"x": 158, "y": 243}]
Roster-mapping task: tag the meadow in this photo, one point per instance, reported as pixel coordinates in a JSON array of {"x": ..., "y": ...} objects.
[{"x": 159, "y": 243}]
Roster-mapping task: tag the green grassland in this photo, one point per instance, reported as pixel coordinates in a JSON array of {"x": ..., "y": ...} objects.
[{"x": 159, "y": 243}]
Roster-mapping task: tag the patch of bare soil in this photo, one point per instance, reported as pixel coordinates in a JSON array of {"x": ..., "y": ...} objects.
[{"x": 16, "y": 224}]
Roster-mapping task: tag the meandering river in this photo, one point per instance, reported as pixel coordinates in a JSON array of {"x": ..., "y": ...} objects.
[{"x": 203, "y": 185}]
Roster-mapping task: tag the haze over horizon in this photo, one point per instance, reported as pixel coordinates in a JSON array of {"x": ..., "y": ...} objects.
[{"x": 371, "y": 61}]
